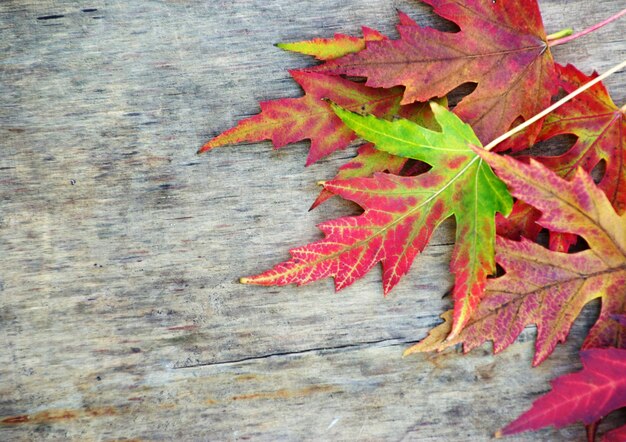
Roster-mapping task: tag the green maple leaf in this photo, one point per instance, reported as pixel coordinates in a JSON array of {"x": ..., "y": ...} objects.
[{"x": 401, "y": 213}]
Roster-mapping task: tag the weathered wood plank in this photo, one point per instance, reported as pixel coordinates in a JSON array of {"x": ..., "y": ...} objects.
[{"x": 121, "y": 248}]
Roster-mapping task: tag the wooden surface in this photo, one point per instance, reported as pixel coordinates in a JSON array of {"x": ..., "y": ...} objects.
[{"x": 120, "y": 312}]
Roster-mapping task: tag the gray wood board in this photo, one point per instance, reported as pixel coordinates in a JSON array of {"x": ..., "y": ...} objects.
[{"x": 120, "y": 312}]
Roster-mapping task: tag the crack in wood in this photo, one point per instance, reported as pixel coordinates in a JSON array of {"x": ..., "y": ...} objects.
[{"x": 394, "y": 342}]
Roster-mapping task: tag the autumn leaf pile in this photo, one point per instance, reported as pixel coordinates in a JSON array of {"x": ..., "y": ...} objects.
[{"x": 423, "y": 163}]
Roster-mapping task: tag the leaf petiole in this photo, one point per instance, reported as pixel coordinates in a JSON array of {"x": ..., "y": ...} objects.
[
  {"x": 560, "y": 34},
  {"x": 559, "y": 103},
  {"x": 568, "y": 38}
]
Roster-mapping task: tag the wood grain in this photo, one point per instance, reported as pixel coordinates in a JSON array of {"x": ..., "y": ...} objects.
[{"x": 120, "y": 312}]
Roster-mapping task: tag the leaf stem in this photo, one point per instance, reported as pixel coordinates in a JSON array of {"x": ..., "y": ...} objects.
[
  {"x": 562, "y": 33},
  {"x": 559, "y": 103},
  {"x": 560, "y": 41}
]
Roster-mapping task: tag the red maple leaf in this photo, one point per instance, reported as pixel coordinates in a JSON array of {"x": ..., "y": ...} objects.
[
  {"x": 548, "y": 288},
  {"x": 617, "y": 435},
  {"x": 587, "y": 396},
  {"x": 600, "y": 128},
  {"x": 367, "y": 162},
  {"x": 501, "y": 47},
  {"x": 288, "y": 120}
]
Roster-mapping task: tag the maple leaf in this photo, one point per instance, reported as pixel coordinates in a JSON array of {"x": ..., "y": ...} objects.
[
  {"x": 520, "y": 222},
  {"x": 617, "y": 435},
  {"x": 405, "y": 20},
  {"x": 600, "y": 128},
  {"x": 620, "y": 318},
  {"x": 340, "y": 44},
  {"x": 587, "y": 396},
  {"x": 369, "y": 160},
  {"x": 401, "y": 213},
  {"x": 288, "y": 120},
  {"x": 331, "y": 48},
  {"x": 501, "y": 47},
  {"x": 548, "y": 288},
  {"x": 523, "y": 223}
]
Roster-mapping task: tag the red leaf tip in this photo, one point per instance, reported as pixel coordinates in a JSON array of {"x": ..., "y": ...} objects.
[{"x": 205, "y": 148}]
